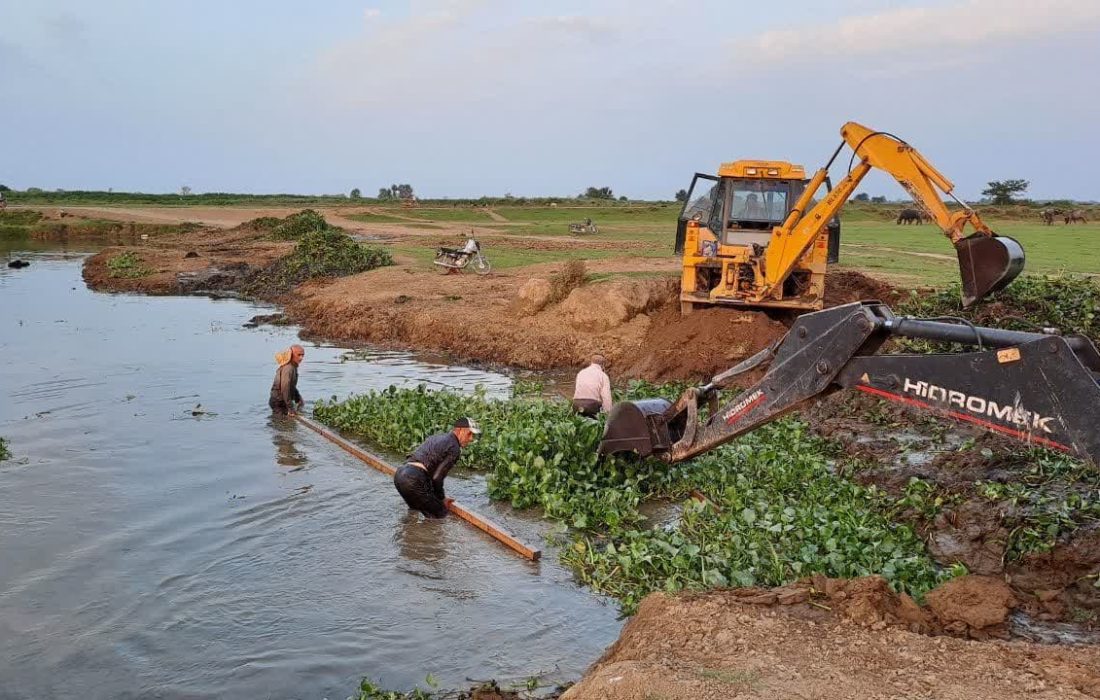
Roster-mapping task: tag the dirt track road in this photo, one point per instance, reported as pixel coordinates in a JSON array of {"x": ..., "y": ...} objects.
[{"x": 228, "y": 217}]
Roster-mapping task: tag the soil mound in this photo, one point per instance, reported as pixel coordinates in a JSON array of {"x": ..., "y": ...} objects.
[
  {"x": 833, "y": 639},
  {"x": 699, "y": 345},
  {"x": 846, "y": 286}
]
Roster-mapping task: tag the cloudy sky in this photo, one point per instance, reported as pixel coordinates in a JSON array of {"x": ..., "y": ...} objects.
[{"x": 473, "y": 97}]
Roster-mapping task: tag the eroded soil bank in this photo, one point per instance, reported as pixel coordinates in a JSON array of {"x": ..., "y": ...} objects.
[
  {"x": 828, "y": 640},
  {"x": 524, "y": 317}
]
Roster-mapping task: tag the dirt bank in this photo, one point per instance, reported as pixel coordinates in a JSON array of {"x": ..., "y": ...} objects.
[
  {"x": 824, "y": 640},
  {"x": 505, "y": 317}
]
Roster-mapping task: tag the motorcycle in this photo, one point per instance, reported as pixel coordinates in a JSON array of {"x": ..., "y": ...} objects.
[{"x": 460, "y": 258}]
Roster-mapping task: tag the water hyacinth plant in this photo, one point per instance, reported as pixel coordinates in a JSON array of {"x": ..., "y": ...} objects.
[{"x": 776, "y": 510}]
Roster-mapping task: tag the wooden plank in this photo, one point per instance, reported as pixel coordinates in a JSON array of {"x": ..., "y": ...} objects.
[{"x": 462, "y": 512}]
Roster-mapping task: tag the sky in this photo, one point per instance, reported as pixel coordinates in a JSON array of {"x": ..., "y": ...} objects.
[{"x": 464, "y": 98}]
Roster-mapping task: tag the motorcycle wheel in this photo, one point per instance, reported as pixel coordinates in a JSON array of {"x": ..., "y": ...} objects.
[{"x": 482, "y": 266}]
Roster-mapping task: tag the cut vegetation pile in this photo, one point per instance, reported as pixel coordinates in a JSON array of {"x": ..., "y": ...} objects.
[
  {"x": 320, "y": 253},
  {"x": 5, "y": 453}
]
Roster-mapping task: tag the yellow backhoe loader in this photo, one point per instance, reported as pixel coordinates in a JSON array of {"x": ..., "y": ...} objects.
[{"x": 757, "y": 239}]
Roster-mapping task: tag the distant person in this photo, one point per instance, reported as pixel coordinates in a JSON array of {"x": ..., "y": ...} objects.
[
  {"x": 420, "y": 480},
  {"x": 593, "y": 389},
  {"x": 285, "y": 398}
]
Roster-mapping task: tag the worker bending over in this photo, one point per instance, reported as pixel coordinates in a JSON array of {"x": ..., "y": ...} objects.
[
  {"x": 420, "y": 481},
  {"x": 593, "y": 390},
  {"x": 285, "y": 398}
]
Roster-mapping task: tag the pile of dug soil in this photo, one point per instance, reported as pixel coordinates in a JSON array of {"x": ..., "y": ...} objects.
[
  {"x": 846, "y": 286},
  {"x": 710, "y": 340},
  {"x": 699, "y": 345},
  {"x": 832, "y": 639}
]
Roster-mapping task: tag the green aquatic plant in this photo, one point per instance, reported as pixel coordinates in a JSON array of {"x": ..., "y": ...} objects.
[{"x": 5, "y": 453}]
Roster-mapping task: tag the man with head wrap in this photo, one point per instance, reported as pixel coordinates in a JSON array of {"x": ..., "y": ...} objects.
[{"x": 285, "y": 398}]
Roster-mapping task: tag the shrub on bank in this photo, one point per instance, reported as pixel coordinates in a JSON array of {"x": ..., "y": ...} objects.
[
  {"x": 127, "y": 265},
  {"x": 781, "y": 512}
]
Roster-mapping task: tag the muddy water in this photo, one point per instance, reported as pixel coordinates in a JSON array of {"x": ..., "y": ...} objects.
[{"x": 149, "y": 552}]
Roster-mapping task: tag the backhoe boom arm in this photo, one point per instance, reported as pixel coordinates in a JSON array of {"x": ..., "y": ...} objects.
[{"x": 987, "y": 262}]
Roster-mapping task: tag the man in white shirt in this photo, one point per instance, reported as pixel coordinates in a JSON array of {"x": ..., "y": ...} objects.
[{"x": 593, "y": 389}]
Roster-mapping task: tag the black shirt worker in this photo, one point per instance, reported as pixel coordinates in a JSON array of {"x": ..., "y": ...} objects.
[{"x": 420, "y": 481}]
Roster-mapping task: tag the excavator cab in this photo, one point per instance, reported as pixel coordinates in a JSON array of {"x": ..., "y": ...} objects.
[{"x": 725, "y": 228}]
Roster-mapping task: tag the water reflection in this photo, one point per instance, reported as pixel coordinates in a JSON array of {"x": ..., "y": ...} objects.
[{"x": 287, "y": 454}]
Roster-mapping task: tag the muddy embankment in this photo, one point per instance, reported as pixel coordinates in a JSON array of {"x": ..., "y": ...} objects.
[
  {"x": 832, "y": 639},
  {"x": 529, "y": 318}
]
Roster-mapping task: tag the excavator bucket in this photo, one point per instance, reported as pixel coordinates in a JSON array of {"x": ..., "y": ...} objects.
[
  {"x": 987, "y": 264},
  {"x": 636, "y": 427}
]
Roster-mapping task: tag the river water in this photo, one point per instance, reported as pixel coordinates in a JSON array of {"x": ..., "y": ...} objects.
[{"x": 149, "y": 551}]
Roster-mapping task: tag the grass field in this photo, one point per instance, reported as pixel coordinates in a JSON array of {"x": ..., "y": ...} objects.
[{"x": 870, "y": 241}]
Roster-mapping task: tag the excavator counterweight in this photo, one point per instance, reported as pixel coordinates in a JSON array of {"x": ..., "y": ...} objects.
[{"x": 1039, "y": 388}]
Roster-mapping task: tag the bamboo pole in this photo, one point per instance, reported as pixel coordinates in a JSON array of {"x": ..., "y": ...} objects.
[{"x": 462, "y": 512}]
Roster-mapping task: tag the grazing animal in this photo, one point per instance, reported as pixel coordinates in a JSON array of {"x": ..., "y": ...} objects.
[
  {"x": 908, "y": 216},
  {"x": 1077, "y": 216},
  {"x": 1047, "y": 216}
]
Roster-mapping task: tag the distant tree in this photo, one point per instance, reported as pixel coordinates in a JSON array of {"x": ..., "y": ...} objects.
[
  {"x": 598, "y": 193},
  {"x": 681, "y": 195},
  {"x": 34, "y": 190},
  {"x": 623, "y": 198},
  {"x": 356, "y": 194},
  {"x": 1001, "y": 191},
  {"x": 397, "y": 192},
  {"x": 862, "y": 197},
  {"x": 878, "y": 200},
  {"x": 5, "y": 188},
  {"x": 185, "y": 191}
]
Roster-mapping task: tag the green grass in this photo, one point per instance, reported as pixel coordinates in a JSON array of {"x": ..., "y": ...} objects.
[
  {"x": 464, "y": 215},
  {"x": 127, "y": 265},
  {"x": 371, "y": 218}
]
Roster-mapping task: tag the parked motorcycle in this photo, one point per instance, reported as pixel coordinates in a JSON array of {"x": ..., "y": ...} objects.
[{"x": 460, "y": 258}]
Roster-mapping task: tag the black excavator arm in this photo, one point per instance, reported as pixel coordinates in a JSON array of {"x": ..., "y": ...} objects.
[{"x": 1040, "y": 388}]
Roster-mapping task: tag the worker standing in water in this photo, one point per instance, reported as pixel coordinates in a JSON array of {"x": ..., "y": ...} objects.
[
  {"x": 593, "y": 389},
  {"x": 285, "y": 398},
  {"x": 420, "y": 481}
]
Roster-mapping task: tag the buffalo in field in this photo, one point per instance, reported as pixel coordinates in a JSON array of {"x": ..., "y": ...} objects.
[
  {"x": 908, "y": 216},
  {"x": 1077, "y": 216}
]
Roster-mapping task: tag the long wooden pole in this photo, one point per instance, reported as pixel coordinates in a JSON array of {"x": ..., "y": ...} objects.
[{"x": 479, "y": 521}]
